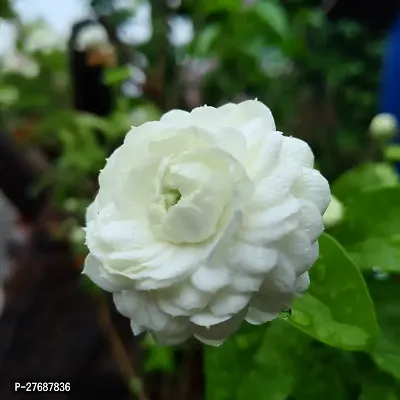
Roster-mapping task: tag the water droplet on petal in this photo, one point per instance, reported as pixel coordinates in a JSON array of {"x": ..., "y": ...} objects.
[
  {"x": 380, "y": 275},
  {"x": 285, "y": 313}
]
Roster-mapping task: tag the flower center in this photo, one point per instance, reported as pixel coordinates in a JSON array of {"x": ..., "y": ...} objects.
[{"x": 171, "y": 197}]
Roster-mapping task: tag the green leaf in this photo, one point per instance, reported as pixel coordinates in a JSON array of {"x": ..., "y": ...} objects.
[
  {"x": 386, "y": 298},
  {"x": 320, "y": 379},
  {"x": 214, "y": 6},
  {"x": 205, "y": 39},
  {"x": 88, "y": 286},
  {"x": 256, "y": 363},
  {"x": 8, "y": 95},
  {"x": 117, "y": 75},
  {"x": 274, "y": 15},
  {"x": 364, "y": 177},
  {"x": 158, "y": 358},
  {"x": 6, "y": 10},
  {"x": 371, "y": 229},
  {"x": 88, "y": 121},
  {"x": 392, "y": 153},
  {"x": 337, "y": 309},
  {"x": 381, "y": 391}
]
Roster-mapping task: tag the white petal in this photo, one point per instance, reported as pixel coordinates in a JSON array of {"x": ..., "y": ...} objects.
[
  {"x": 299, "y": 251},
  {"x": 209, "y": 342},
  {"x": 264, "y": 150},
  {"x": 219, "y": 332},
  {"x": 280, "y": 280},
  {"x": 227, "y": 109},
  {"x": 229, "y": 303},
  {"x": 207, "y": 319},
  {"x": 275, "y": 187},
  {"x": 255, "y": 259},
  {"x": 185, "y": 297},
  {"x": 233, "y": 142},
  {"x": 274, "y": 216},
  {"x": 92, "y": 211},
  {"x": 250, "y": 110},
  {"x": 208, "y": 279},
  {"x": 173, "y": 309},
  {"x": 257, "y": 317},
  {"x": 176, "y": 331},
  {"x": 126, "y": 302},
  {"x": 136, "y": 328},
  {"x": 176, "y": 117},
  {"x": 271, "y": 225},
  {"x": 176, "y": 141},
  {"x": 302, "y": 283},
  {"x": 96, "y": 272},
  {"x": 122, "y": 235},
  {"x": 311, "y": 220},
  {"x": 245, "y": 283},
  {"x": 313, "y": 187},
  {"x": 206, "y": 117},
  {"x": 298, "y": 150}
]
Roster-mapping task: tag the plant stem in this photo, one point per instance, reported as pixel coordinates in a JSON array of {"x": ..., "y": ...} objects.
[{"x": 119, "y": 352}]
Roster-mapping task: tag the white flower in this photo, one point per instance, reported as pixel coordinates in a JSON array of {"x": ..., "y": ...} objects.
[
  {"x": 181, "y": 31},
  {"x": 205, "y": 219},
  {"x": 383, "y": 126},
  {"x": 92, "y": 36},
  {"x": 43, "y": 39},
  {"x": 17, "y": 63},
  {"x": 334, "y": 213}
]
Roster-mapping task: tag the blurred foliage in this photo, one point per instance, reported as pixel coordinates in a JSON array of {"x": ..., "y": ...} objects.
[{"x": 320, "y": 80}]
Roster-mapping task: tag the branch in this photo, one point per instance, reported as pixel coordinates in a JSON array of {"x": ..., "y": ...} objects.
[{"x": 118, "y": 349}]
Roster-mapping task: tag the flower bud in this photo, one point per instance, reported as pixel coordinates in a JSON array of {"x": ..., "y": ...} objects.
[
  {"x": 77, "y": 235},
  {"x": 334, "y": 213},
  {"x": 383, "y": 126}
]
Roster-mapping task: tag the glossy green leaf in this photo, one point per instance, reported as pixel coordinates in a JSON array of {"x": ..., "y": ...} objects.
[
  {"x": 371, "y": 229},
  {"x": 8, "y": 95},
  {"x": 88, "y": 121},
  {"x": 364, "y": 177},
  {"x": 88, "y": 286},
  {"x": 392, "y": 153},
  {"x": 386, "y": 353},
  {"x": 158, "y": 358},
  {"x": 381, "y": 392},
  {"x": 274, "y": 15},
  {"x": 263, "y": 362},
  {"x": 117, "y": 75},
  {"x": 337, "y": 309},
  {"x": 323, "y": 374},
  {"x": 206, "y": 38},
  {"x": 209, "y": 7}
]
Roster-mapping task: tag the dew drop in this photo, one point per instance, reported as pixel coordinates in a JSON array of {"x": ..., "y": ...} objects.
[
  {"x": 285, "y": 313},
  {"x": 380, "y": 275}
]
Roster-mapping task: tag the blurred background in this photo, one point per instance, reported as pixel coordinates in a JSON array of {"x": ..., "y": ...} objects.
[{"x": 75, "y": 75}]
